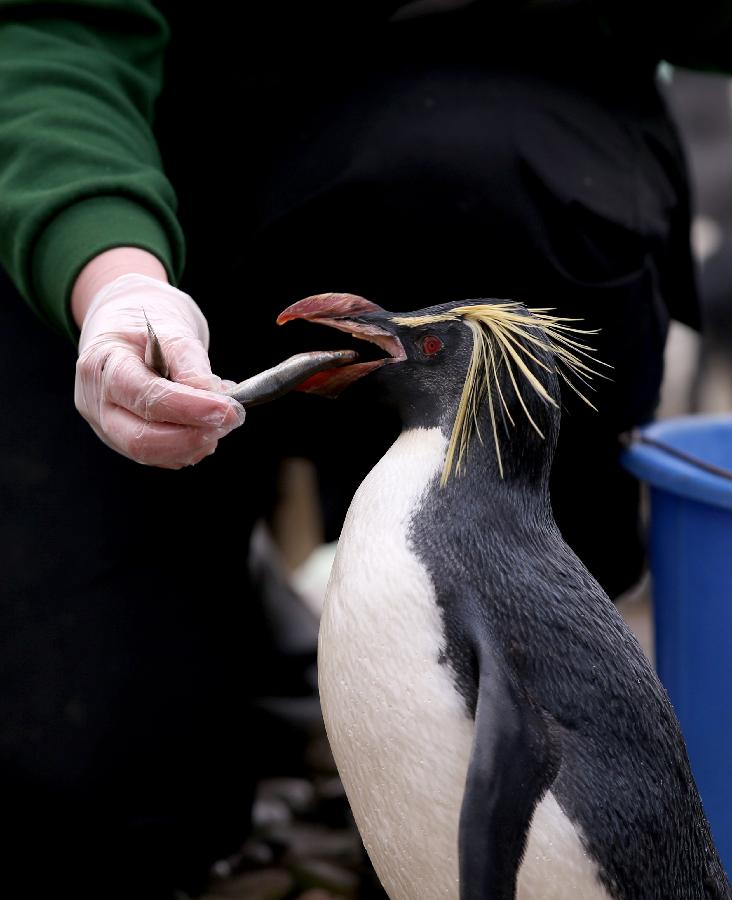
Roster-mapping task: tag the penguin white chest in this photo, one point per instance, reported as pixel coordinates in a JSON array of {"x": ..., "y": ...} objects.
[{"x": 400, "y": 732}]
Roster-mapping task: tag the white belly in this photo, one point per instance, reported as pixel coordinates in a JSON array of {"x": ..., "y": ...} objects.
[{"x": 399, "y": 730}]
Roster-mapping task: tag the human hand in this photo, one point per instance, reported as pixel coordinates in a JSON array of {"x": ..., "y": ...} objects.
[{"x": 149, "y": 419}]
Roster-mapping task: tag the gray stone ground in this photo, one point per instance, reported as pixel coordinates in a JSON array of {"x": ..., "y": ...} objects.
[{"x": 304, "y": 845}]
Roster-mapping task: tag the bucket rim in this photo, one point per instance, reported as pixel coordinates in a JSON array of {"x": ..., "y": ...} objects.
[{"x": 676, "y": 476}]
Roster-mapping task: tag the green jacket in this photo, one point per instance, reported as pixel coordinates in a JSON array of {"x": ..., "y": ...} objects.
[{"x": 80, "y": 171}]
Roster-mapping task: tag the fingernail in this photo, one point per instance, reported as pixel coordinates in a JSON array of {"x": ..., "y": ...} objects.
[
  {"x": 219, "y": 418},
  {"x": 216, "y": 418},
  {"x": 239, "y": 412}
]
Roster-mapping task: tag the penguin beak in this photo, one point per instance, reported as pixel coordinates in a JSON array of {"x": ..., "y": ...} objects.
[{"x": 358, "y": 317}]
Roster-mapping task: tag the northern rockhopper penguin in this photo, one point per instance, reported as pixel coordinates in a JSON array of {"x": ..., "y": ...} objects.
[{"x": 498, "y": 730}]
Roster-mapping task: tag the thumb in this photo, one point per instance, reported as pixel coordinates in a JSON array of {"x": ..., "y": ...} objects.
[{"x": 189, "y": 363}]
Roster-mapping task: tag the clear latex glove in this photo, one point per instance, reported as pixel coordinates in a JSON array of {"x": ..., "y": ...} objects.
[{"x": 149, "y": 419}]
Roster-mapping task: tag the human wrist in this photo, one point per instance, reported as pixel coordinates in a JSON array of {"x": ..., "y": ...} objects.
[{"x": 106, "y": 268}]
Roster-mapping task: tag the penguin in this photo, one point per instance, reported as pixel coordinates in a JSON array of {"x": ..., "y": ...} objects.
[{"x": 498, "y": 730}]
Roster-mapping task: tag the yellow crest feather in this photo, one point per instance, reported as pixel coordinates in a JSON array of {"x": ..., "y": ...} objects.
[{"x": 500, "y": 334}]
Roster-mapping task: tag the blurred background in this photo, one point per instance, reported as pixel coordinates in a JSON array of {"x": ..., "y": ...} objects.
[
  {"x": 698, "y": 366},
  {"x": 308, "y": 816}
]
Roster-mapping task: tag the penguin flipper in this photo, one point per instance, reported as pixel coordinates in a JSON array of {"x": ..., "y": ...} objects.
[{"x": 514, "y": 760}]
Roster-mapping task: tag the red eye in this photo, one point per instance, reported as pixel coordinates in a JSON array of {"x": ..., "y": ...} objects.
[{"x": 431, "y": 344}]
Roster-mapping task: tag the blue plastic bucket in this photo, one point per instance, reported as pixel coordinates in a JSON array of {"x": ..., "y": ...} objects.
[{"x": 691, "y": 566}]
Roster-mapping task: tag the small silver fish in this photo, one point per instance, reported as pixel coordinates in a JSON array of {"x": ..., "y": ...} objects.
[
  {"x": 285, "y": 377},
  {"x": 267, "y": 385}
]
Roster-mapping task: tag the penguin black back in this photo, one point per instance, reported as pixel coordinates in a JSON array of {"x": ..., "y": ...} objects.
[{"x": 618, "y": 760}]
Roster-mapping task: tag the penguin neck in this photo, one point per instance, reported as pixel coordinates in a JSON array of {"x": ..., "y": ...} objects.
[
  {"x": 489, "y": 496},
  {"x": 517, "y": 490}
]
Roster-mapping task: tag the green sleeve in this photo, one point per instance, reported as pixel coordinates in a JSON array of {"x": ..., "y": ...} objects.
[{"x": 80, "y": 171}]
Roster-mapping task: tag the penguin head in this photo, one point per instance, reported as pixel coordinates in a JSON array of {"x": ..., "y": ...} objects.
[{"x": 482, "y": 370}]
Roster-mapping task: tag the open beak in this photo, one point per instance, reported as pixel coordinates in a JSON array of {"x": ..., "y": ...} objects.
[{"x": 359, "y": 318}]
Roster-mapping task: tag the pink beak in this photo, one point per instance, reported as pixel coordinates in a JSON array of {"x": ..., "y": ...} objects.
[
  {"x": 339, "y": 311},
  {"x": 328, "y": 306}
]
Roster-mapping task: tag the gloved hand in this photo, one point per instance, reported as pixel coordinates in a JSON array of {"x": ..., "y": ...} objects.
[{"x": 133, "y": 410}]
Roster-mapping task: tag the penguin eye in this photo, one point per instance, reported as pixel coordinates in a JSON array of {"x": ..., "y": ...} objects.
[{"x": 430, "y": 344}]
